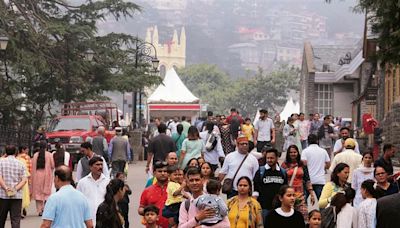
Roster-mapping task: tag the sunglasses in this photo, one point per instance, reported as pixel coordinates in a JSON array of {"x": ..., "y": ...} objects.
[
  {"x": 161, "y": 163},
  {"x": 243, "y": 144}
]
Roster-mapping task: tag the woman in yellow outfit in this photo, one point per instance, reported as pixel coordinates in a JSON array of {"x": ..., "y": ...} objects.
[
  {"x": 26, "y": 200},
  {"x": 244, "y": 210}
]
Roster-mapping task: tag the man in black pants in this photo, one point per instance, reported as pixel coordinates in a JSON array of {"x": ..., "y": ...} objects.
[{"x": 12, "y": 179}]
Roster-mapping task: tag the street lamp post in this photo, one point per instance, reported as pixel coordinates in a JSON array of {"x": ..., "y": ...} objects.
[{"x": 144, "y": 53}]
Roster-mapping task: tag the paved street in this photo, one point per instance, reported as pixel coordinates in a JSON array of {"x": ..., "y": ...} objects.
[{"x": 136, "y": 180}]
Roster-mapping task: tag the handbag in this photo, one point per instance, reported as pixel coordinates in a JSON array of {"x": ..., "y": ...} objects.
[{"x": 227, "y": 185}]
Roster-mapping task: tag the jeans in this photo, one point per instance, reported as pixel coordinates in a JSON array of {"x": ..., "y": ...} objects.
[
  {"x": 14, "y": 206},
  {"x": 304, "y": 144},
  {"x": 117, "y": 167},
  {"x": 264, "y": 215},
  {"x": 318, "y": 189}
]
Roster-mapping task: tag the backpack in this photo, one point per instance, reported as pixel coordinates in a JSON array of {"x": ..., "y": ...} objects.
[
  {"x": 234, "y": 126},
  {"x": 329, "y": 217},
  {"x": 211, "y": 142}
]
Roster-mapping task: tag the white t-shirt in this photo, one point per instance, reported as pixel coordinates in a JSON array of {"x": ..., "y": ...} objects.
[
  {"x": 316, "y": 158},
  {"x": 339, "y": 144},
  {"x": 264, "y": 129},
  {"x": 232, "y": 162}
]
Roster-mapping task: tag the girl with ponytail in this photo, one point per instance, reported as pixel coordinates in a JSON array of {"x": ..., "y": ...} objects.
[{"x": 108, "y": 214}]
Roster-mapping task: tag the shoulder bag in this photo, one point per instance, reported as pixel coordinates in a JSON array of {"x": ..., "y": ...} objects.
[{"x": 227, "y": 185}]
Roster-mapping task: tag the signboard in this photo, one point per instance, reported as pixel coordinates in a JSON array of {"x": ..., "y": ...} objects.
[{"x": 371, "y": 96}]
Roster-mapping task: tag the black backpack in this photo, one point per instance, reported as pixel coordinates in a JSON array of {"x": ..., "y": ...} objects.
[
  {"x": 329, "y": 217},
  {"x": 234, "y": 127}
]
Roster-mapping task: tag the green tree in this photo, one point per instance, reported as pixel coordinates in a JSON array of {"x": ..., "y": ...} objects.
[
  {"x": 265, "y": 90},
  {"x": 208, "y": 83},
  {"x": 46, "y": 55}
]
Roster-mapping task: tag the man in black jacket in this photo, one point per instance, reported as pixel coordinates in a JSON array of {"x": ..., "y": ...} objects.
[{"x": 268, "y": 180}]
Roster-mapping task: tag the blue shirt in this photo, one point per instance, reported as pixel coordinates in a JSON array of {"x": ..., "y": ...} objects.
[{"x": 67, "y": 208}]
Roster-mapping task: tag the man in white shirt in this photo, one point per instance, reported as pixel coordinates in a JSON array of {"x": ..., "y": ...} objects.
[
  {"x": 317, "y": 160},
  {"x": 233, "y": 161},
  {"x": 339, "y": 144},
  {"x": 349, "y": 157},
  {"x": 264, "y": 131},
  {"x": 94, "y": 185}
]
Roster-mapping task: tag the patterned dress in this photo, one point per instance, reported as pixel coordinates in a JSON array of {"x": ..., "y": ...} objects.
[
  {"x": 300, "y": 179},
  {"x": 367, "y": 213},
  {"x": 226, "y": 139}
]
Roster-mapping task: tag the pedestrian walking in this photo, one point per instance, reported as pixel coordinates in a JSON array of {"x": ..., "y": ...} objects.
[
  {"x": 228, "y": 145},
  {"x": 83, "y": 168},
  {"x": 304, "y": 128},
  {"x": 108, "y": 214},
  {"x": 339, "y": 144},
  {"x": 346, "y": 214},
  {"x": 314, "y": 219},
  {"x": 285, "y": 215},
  {"x": 192, "y": 147},
  {"x": 248, "y": 130},
  {"x": 325, "y": 135},
  {"x": 67, "y": 207},
  {"x": 317, "y": 160},
  {"x": 189, "y": 214},
  {"x": 364, "y": 172},
  {"x": 61, "y": 157},
  {"x": 151, "y": 216},
  {"x": 94, "y": 185},
  {"x": 289, "y": 134},
  {"x": 268, "y": 180},
  {"x": 385, "y": 160},
  {"x": 12, "y": 179},
  {"x": 367, "y": 207},
  {"x": 119, "y": 152},
  {"x": 349, "y": 156},
  {"x": 244, "y": 210},
  {"x": 156, "y": 194},
  {"x": 237, "y": 164},
  {"x": 337, "y": 184},
  {"x": 382, "y": 180},
  {"x": 213, "y": 152},
  {"x": 388, "y": 211},
  {"x": 298, "y": 177},
  {"x": 315, "y": 124},
  {"x": 123, "y": 204},
  {"x": 207, "y": 173},
  {"x": 42, "y": 176},
  {"x": 159, "y": 147},
  {"x": 264, "y": 131},
  {"x": 178, "y": 137},
  {"x": 23, "y": 155},
  {"x": 99, "y": 143}
]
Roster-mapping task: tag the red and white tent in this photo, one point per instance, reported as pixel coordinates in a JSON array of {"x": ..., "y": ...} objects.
[{"x": 172, "y": 98}]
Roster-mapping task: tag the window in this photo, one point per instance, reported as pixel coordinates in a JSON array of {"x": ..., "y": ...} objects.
[{"x": 323, "y": 98}]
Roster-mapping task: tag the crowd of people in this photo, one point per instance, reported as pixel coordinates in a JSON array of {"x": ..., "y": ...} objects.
[
  {"x": 220, "y": 171},
  {"x": 231, "y": 155},
  {"x": 96, "y": 197}
]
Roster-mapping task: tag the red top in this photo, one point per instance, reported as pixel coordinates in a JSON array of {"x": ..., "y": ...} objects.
[
  {"x": 229, "y": 118},
  {"x": 156, "y": 195}
]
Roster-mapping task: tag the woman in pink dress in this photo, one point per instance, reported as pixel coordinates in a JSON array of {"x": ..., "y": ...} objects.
[{"x": 42, "y": 176}]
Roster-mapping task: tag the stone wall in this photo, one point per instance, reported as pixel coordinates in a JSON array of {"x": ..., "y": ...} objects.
[{"x": 391, "y": 127}]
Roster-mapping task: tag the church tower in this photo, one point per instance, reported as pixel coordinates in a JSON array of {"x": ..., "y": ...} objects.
[{"x": 172, "y": 53}]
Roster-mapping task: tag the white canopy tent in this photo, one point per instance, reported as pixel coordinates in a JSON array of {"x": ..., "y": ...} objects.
[
  {"x": 173, "y": 98},
  {"x": 290, "y": 108}
]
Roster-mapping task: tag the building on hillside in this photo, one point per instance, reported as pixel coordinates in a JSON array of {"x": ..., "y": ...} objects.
[
  {"x": 171, "y": 54},
  {"x": 329, "y": 79},
  {"x": 249, "y": 54},
  {"x": 288, "y": 53}
]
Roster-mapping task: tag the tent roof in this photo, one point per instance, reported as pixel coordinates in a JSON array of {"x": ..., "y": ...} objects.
[
  {"x": 172, "y": 90},
  {"x": 290, "y": 108}
]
